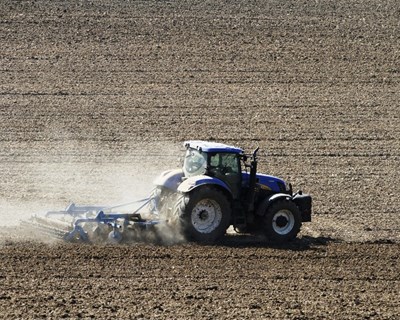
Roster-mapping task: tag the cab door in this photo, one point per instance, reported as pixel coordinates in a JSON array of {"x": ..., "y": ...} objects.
[{"x": 226, "y": 167}]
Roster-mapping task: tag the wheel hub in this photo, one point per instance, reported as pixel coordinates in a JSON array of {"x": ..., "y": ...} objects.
[
  {"x": 203, "y": 215},
  {"x": 283, "y": 222},
  {"x": 206, "y": 216}
]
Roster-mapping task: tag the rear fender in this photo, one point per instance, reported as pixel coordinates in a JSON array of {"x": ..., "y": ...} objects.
[
  {"x": 170, "y": 179},
  {"x": 263, "y": 206},
  {"x": 194, "y": 182}
]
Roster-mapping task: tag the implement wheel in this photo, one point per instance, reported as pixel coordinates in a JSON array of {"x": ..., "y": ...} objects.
[
  {"x": 204, "y": 214},
  {"x": 114, "y": 237}
]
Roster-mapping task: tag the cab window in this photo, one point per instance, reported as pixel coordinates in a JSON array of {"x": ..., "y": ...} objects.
[
  {"x": 195, "y": 163},
  {"x": 225, "y": 163}
]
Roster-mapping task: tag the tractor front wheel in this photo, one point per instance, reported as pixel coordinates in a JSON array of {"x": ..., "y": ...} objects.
[
  {"x": 204, "y": 214},
  {"x": 282, "y": 221}
]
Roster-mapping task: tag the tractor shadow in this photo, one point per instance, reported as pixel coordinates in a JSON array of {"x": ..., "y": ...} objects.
[{"x": 298, "y": 244}]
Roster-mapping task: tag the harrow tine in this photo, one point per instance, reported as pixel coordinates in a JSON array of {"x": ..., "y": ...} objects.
[{"x": 44, "y": 229}]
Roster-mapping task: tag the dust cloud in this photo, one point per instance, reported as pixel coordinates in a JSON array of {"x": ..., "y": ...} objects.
[{"x": 51, "y": 181}]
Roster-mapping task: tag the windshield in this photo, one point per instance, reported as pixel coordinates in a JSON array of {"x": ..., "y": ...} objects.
[{"x": 195, "y": 163}]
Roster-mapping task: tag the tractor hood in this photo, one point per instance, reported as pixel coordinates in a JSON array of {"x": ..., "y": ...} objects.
[{"x": 267, "y": 182}]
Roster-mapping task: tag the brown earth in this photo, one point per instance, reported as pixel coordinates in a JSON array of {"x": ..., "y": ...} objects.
[{"x": 95, "y": 99}]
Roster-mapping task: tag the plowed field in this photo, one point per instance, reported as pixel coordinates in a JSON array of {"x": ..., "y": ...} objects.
[{"x": 96, "y": 98}]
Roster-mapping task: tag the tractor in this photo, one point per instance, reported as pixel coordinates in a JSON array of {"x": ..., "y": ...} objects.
[{"x": 218, "y": 187}]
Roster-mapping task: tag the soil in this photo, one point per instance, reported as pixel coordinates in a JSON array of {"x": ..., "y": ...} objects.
[{"x": 96, "y": 99}]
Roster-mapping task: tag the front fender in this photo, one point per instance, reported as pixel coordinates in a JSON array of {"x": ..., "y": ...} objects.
[
  {"x": 193, "y": 182},
  {"x": 263, "y": 206}
]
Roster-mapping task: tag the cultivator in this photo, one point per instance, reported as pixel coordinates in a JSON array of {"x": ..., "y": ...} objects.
[{"x": 95, "y": 223}]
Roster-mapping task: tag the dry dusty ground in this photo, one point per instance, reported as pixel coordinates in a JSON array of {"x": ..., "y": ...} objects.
[{"x": 95, "y": 99}]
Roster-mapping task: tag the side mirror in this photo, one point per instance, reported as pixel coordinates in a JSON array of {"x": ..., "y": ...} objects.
[{"x": 255, "y": 152}]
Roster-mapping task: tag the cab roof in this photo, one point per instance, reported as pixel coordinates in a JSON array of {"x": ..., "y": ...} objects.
[{"x": 208, "y": 146}]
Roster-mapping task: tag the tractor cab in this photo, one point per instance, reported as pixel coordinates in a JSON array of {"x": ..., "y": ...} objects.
[{"x": 214, "y": 160}]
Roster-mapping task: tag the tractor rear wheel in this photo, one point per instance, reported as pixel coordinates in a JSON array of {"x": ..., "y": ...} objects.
[
  {"x": 282, "y": 221},
  {"x": 204, "y": 214}
]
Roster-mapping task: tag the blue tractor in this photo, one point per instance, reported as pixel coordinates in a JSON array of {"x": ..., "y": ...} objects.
[{"x": 219, "y": 186}]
